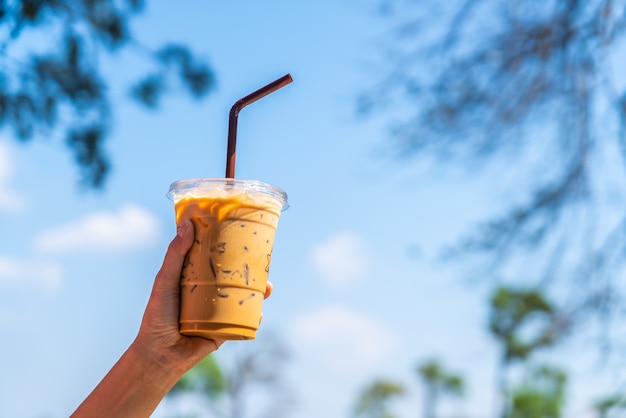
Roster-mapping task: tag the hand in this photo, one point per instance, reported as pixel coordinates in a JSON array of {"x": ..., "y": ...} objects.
[
  {"x": 158, "y": 333},
  {"x": 160, "y": 355}
]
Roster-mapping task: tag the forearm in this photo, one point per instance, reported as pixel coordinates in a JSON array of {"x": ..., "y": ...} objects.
[
  {"x": 133, "y": 388},
  {"x": 159, "y": 356}
]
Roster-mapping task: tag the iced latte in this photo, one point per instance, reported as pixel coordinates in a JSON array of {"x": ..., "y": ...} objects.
[{"x": 225, "y": 272}]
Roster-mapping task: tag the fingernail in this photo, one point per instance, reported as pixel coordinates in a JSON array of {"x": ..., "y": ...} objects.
[{"x": 183, "y": 229}]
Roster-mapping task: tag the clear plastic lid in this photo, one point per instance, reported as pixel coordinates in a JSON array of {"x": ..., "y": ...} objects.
[{"x": 201, "y": 187}]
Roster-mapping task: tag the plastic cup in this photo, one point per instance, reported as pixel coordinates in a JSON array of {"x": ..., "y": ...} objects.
[{"x": 224, "y": 276}]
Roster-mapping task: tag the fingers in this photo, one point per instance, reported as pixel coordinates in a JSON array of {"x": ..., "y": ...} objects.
[
  {"x": 176, "y": 251},
  {"x": 268, "y": 291},
  {"x": 185, "y": 233}
]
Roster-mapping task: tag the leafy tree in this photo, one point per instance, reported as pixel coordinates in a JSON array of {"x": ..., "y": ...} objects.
[
  {"x": 511, "y": 310},
  {"x": 60, "y": 91},
  {"x": 438, "y": 382},
  {"x": 375, "y": 398},
  {"x": 542, "y": 395},
  {"x": 206, "y": 380},
  {"x": 531, "y": 85},
  {"x": 522, "y": 321},
  {"x": 206, "y": 377}
]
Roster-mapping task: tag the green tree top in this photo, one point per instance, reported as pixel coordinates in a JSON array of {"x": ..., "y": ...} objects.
[
  {"x": 438, "y": 382},
  {"x": 513, "y": 311},
  {"x": 541, "y": 395},
  {"x": 205, "y": 378},
  {"x": 610, "y": 404},
  {"x": 375, "y": 398}
]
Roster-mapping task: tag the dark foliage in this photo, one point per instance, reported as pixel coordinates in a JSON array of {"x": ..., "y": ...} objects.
[
  {"x": 478, "y": 80},
  {"x": 62, "y": 89}
]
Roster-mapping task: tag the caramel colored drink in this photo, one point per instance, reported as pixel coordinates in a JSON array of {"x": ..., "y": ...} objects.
[{"x": 225, "y": 272}]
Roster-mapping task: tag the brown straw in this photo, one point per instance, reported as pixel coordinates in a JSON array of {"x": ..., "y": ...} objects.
[{"x": 234, "y": 113}]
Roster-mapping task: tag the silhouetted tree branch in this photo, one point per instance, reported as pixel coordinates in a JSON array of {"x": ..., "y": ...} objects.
[
  {"x": 62, "y": 90},
  {"x": 473, "y": 81}
]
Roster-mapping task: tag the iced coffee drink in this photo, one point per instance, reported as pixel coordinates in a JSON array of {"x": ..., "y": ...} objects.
[{"x": 225, "y": 272}]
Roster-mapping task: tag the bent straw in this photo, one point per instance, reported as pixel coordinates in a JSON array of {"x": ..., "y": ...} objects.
[{"x": 234, "y": 113}]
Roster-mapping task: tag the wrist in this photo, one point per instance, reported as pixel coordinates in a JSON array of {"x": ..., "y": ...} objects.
[
  {"x": 133, "y": 387},
  {"x": 158, "y": 368}
]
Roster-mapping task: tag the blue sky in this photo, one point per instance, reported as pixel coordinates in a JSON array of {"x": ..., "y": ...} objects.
[{"x": 357, "y": 295}]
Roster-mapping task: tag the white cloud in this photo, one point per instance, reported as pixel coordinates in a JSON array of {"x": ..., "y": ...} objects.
[
  {"x": 9, "y": 200},
  {"x": 341, "y": 259},
  {"x": 131, "y": 227},
  {"x": 46, "y": 274},
  {"x": 346, "y": 340}
]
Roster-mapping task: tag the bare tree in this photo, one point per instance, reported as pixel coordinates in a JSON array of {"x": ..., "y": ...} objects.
[
  {"x": 532, "y": 84},
  {"x": 229, "y": 388},
  {"x": 260, "y": 369}
]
